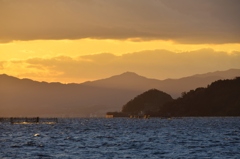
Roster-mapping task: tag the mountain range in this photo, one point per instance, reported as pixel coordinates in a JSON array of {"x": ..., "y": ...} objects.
[{"x": 25, "y": 97}]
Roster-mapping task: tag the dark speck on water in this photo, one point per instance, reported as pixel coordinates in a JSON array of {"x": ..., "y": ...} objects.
[{"x": 123, "y": 138}]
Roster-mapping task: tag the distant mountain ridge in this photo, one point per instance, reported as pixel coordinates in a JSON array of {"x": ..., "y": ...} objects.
[
  {"x": 25, "y": 97},
  {"x": 226, "y": 74},
  {"x": 174, "y": 87}
]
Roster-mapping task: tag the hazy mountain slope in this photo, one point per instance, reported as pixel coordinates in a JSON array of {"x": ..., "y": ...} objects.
[
  {"x": 24, "y": 97},
  {"x": 30, "y": 98},
  {"x": 226, "y": 74}
]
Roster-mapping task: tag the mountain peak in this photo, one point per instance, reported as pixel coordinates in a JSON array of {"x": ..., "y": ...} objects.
[
  {"x": 129, "y": 72},
  {"x": 125, "y": 80},
  {"x": 128, "y": 76},
  {"x": 132, "y": 74}
]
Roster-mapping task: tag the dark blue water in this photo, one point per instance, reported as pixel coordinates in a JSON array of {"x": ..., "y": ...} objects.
[{"x": 123, "y": 138}]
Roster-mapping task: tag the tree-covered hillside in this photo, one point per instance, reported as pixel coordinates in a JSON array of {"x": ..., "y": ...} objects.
[
  {"x": 149, "y": 101},
  {"x": 221, "y": 98}
]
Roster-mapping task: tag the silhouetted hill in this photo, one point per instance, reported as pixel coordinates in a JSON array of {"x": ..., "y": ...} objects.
[
  {"x": 221, "y": 98},
  {"x": 24, "y": 97},
  {"x": 147, "y": 102}
]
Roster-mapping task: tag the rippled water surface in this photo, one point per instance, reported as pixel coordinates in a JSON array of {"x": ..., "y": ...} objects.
[{"x": 123, "y": 138}]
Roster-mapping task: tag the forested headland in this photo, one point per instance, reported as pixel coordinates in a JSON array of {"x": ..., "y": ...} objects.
[{"x": 220, "y": 98}]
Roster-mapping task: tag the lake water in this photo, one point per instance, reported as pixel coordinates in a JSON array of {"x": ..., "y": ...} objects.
[{"x": 123, "y": 138}]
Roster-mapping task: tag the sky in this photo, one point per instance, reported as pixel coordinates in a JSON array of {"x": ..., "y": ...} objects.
[{"x": 80, "y": 40}]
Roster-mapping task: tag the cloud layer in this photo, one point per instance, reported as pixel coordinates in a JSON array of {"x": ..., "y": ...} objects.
[
  {"x": 183, "y": 21},
  {"x": 160, "y": 64}
]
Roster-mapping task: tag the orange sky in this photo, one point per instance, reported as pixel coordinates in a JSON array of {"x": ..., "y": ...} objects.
[
  {"x": 75, "y": 41},
  {"x": 19, "y": 50}
]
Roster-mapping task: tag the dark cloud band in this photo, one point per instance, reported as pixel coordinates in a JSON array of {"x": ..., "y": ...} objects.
[{"x": 183, "y": 21}]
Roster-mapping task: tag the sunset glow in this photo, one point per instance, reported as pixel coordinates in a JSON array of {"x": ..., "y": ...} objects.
[
  {"x": 78, "y": 41},
  {"x": 51, "y": 48}
]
